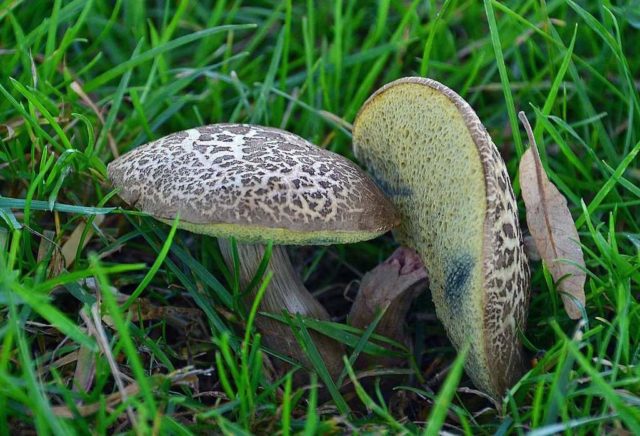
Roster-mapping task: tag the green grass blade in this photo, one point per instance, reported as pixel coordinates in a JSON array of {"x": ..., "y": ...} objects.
[
  {"x": 504, "y": 77},
  {"x": 445, "y": 396},
  {"x": 158, "y": 50}
]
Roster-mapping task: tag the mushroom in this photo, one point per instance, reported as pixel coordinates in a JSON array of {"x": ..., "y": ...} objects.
[
  {"x": 258, "y": 184},
  {"x": 429, "y": 152}
]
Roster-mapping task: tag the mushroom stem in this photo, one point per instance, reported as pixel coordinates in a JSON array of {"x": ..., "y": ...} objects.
[
  {"x": 393, "y": 285},
  {"x": 285, "y": 292}
]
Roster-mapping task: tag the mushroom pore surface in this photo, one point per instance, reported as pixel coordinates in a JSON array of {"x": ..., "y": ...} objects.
[
  {"x": 254, "y": 183},
  {"x": 428, "y": 151}
]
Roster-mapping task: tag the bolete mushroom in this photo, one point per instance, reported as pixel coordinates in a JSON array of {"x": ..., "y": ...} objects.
[
  {"x": 258, "y": 184},
  {"x": 429, "y": 152}
]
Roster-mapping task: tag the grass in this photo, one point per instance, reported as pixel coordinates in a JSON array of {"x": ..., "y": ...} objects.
[{"x": 84, "y": 81}]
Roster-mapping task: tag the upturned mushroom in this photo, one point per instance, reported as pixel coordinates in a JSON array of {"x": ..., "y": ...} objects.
[
  {"x": 258, "y": 184},
  {"x": 429, "y": 152}
]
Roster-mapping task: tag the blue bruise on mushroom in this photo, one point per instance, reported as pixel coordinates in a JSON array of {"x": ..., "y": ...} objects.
[
  {"x": 456, "y": 286},
  {"x": 392, "y": 190}
]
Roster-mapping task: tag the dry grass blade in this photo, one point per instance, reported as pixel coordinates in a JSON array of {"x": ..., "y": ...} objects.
[
  {"x": 187, "y": 376},
  {"x": 336, "y": 119},
  {"x": 95, "y": 327},
  {"x": 77, "y": 88},
  {"x": 552, "y": 228}
]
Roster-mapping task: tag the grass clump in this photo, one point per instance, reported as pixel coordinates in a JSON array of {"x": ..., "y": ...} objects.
[{"x": 82, "y": 82}]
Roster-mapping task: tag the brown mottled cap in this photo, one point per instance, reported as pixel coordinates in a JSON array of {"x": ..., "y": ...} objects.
[{"x": 254, "y": 183}]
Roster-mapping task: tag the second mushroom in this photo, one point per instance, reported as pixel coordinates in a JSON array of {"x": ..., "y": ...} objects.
[{"x": 429, "y": 152}]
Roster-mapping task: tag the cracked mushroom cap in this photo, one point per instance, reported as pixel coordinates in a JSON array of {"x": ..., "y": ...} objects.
[
  {"x": 429, "y": 152},
  {"x": 253, "y": 183}
]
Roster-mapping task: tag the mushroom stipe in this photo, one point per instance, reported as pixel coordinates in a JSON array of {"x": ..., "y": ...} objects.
[{"x": 427, "y": 149}]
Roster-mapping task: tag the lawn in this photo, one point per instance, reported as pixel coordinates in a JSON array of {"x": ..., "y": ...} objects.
[{"x": 112, "y": 322}]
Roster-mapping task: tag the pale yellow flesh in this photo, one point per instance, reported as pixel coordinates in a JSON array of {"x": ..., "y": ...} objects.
[
  {"x": 415, "y": 142},
  {"x": 279, "y": 236}
]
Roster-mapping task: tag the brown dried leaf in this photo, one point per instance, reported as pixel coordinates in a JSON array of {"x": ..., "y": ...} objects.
[
  {"x": 46, "y": 241},
  {"x": 65, "y": 257},
  {"x": 87, "y": 410},
  {"x": 67, "y": 359},
  {"x": 10, "y": 132},
  {"x": 392, "y": 285},
  {"x": 552, "y": 227},
  {"x": 142, "y": 309},
  {"x": 187, "y": 376},
  {"x": 85, "y": 371}
]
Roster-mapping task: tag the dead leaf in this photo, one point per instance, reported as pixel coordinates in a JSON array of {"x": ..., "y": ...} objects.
[
  {"x": 392, "y": 285},
  {"x": 552, "y": 227},
  {"x": 46, "y": 242},
  {"x": 85, "y": 371},
  {"x": 65, "y": 257},
  {"x": 142, "y": 309},
  {"x": 58, "y": 363},
  {"x": 11, "y": 133},
  {"x": 187, "y": 376},
  {"x": 110, "y": 401},
  {"x": 530, "y": 249}
]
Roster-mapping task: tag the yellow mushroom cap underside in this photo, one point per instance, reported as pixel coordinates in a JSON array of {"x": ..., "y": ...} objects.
[
  {"x": 254, "y": 183},
  {"x": 429, "y": 152}
]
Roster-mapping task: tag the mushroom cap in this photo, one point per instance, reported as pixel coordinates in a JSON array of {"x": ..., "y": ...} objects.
[
  {"x": 429, "y": 152},
  {"x": 253, "y": 183}
]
